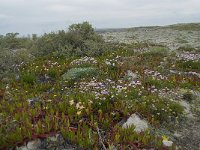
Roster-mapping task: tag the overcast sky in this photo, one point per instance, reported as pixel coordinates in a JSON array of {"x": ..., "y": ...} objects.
[{"x": 39, "y": 16}]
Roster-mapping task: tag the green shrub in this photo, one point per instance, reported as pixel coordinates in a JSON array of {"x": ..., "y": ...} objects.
[
  {"x": 64, "y": 51},
  {"x": 80, "y": 40},
  {"x": 77, "y": 73},
  {"x": 156, "y": 51},
  {"x": 10, "y": 61}
]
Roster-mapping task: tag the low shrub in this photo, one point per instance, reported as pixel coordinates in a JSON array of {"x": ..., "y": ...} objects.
[
  {"x": 156, "y": 51},
  {"x": 77, "y": 73}
]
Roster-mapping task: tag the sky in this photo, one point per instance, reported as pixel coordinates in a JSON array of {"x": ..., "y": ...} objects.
[{"x": 40, "y": 16}]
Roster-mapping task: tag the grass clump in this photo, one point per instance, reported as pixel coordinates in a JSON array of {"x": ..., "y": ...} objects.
[
  {"x": 28, "y": 78},
  {"x": 53, "y": 73},
  {"x": 159, "y": 84},
  {"x": 189, "y": 65}
]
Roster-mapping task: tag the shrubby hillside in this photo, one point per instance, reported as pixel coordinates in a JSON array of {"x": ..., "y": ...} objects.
[{"x": 78, "y": 40}]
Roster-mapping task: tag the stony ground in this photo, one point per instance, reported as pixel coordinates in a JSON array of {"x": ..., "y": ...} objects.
[{"x": 166, "y": 36}]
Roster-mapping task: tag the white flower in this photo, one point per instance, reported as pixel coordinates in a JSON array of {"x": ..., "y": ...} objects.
[
  {"x": 90, "y": 101},
  {"x": 81, "y": 107},
  {"x": 71, "y": 102},
  {"x": 78, "y": 113},
  {"x": 107, "y": 62}
]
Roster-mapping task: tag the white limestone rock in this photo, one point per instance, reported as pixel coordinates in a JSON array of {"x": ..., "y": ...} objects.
[
  {"x": 22, "y": 148},
  {"x": 187, "y": 108},
  {"x": 131, "y": 75},
  {"x": 134, "y": 120},
  {"x": 167, "y": 143},
  {"x": 34, "y": 145}
]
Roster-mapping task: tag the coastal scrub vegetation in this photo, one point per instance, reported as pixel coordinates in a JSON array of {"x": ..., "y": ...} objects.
[{"x": 75, "y": 84}]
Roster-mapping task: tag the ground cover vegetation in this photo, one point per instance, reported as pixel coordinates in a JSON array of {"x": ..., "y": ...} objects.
[{"x": 75, "y": 84}]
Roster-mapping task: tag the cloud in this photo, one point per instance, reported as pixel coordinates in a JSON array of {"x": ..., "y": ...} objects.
[
  {"x": 38, "y": 16},
  {"x": 3, "y": 16}
]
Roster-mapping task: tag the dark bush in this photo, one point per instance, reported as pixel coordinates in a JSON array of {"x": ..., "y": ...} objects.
[{"x": 79, "y": 40}]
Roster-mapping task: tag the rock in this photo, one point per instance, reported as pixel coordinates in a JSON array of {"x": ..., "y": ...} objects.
[
  {"x": 173, "y": 71},
  {"x": 167, "y": 143},
  {"x": 131, "y": 75},
  {"x": 176, "y": 134},
  {"x": 32, "y": 101},
  {"x": 17, "y": 77},
  {"x": 34, "y": 145},
  {"x": 186, "y": 108},
  {"x": 56, "y": 138},
  {"x": 52, "y": 138},
  {"x": 134, "y": 120},
  {"x": 108, "y": 63},
  {"x": 69, "y": 147},
  {"x": 22, "y": 148},
  {"x": 54, "y": 141},
  {"x": 46, "y": 77}
]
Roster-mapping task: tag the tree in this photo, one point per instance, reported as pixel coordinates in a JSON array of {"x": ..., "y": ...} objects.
[
  {"x": 34, "y": 37},
  {"x": 11, "y": 41},
  {"x": 84, "y": 29},
  {"x": 80, "y": 40}
]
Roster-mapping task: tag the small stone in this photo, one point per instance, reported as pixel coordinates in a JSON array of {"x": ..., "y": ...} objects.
[
  {"x": 34, "y": 145},
  {"x": 55, "y": 141},
  {"x": 52, "y": 138},
  {"x": 22, "y": 148},
  {"x": 131, "y": 75},
  {"x": 32, "y": 101},
  {"x": 134, "y": 119},
  {"x": 46, "y": 77},
  {"x": 177, "y": 135},
  {"x": 17, "y": 77},
  {"x": 167, "y": 143},
  {"x": 187, "y": 108}
]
